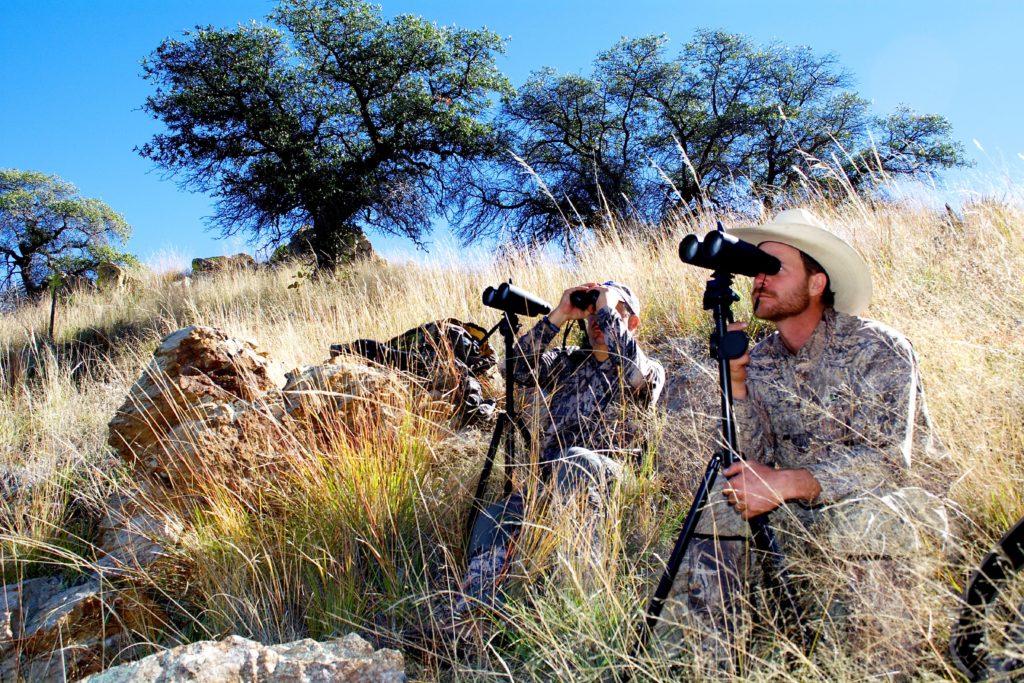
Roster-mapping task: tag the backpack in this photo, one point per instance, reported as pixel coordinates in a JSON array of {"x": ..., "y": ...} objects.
[{"x": 450, "y": 353}]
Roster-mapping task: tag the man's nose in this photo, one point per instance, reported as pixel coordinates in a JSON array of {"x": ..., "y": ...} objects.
[{"x": 759, "y": 279}]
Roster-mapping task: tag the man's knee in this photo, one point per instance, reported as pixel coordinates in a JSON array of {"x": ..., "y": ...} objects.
[
  {"x": 497, "y": 525},
  {"x": 580, "y": 469}
]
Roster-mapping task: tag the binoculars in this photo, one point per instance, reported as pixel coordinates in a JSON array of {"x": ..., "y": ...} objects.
[
  {"x": 727, "y": 254},
  {"x": 515, "y": 301},
  {"x": 584, "y": 300},
  {"x": 511, "y": 299}
]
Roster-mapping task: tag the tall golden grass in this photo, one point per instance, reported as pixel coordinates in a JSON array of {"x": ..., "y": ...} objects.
[{"x": 367, "y": 536}]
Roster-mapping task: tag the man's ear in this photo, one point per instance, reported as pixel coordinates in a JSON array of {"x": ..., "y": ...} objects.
[
  {"x": 633, "y": 323},
  {"x": 816, "y": 284}
]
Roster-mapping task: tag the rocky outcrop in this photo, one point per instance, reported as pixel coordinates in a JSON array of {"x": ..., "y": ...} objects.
[
  {"x": 235, "y": 659},
  {"x": 206, "y": 401},
  {"x": 49, "y": 631},
  {"x": 215, "y": 265},
  {"x": 346, "y": 248}
]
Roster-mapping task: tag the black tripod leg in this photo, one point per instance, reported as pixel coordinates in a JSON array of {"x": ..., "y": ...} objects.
[
  {"x": 524, "y": 434},
  {"x": 675, "y": 560},
  {"x": 485, "y": 475}
]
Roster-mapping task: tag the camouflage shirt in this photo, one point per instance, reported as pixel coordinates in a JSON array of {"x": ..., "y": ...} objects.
[
  {"x": 848, "y": 406},
  {"x": 591, "y": 404}
]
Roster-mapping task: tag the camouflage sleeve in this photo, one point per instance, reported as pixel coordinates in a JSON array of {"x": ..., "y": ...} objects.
[
  {"x": 645, "y": 376},
  {"x": 874, "y": 447},
  {"x": 531, "y": 365},
  {"x": 753, "y": 431}
]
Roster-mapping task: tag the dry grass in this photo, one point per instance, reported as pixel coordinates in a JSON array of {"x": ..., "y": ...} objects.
[{"x": 366, "y": 535}]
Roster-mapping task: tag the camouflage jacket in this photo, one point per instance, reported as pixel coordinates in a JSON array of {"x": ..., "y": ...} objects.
[
  {"x": 848, "y": 406},
  {"x": 591, "y": 404}
]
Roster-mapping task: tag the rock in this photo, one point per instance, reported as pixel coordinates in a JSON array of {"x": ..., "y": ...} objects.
[
  {"x": 215, "y": 265},
  {"x": 20, "y": 598},
  {"x": 111, "y": 277},
  {"x": 57, "y": 633},
  {"x": 234, "y": 444},
  {"x": 349, "y": 247},
  {"x": 349, "y": 659},
  {"x": 131, "y": 537},
  {"x": 346, "y": 390},
  {"x": 204, "y": 394}
]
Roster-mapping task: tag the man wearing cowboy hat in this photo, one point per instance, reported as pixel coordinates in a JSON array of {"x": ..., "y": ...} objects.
[{"x": 832, "y": 423}]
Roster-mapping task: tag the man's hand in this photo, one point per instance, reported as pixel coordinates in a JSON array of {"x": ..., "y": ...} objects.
[
  {"x": 609, "y": 297},
  {"x": 755, "y": 489},
  {"x": 565, "y": 310},
  {"x": 738, "y": 367}
]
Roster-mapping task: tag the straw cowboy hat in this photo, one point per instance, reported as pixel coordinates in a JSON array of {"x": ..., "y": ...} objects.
[{"x": 848, "y": 274}]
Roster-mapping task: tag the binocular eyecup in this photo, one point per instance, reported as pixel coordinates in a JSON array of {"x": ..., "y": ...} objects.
[
  {"x": 515, "y": 301},
  {"x": 722, "y": 252},
  {"x": 583, "y": 300}
]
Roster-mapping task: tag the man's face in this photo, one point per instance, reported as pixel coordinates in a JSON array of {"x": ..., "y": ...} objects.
[
  {"x": 788, "y": 292},
  {"x": 594, "y": 333}
]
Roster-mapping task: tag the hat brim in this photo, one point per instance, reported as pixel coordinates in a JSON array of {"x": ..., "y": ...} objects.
[{"x": 848, "y": 273}]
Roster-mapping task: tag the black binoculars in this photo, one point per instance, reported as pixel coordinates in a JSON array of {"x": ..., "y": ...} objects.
[
  {"x": 584, "y": 300},
  {"x": 724, "y": 253},
  {"x": 515, "y": 301}
]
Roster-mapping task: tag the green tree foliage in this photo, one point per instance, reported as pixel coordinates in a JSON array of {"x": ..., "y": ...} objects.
[
  {"x": 330, "y": 116},
  {"x": 723, "y": 122},
  {"x": 47, "y": 229}
]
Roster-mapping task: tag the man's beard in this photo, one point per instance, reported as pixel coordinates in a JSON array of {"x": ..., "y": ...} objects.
[{"x": 776, "y": 309}]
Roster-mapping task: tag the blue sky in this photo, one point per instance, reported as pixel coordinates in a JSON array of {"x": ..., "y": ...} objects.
[{"x": 70, "y": 88}]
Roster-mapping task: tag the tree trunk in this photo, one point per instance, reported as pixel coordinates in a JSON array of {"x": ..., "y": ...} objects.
[
  {"x": 33, "y": 290},
  {"x": 337, "y": 242}
]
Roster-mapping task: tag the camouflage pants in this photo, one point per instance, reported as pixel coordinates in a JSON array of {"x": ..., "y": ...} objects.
[
  {"x": 583, "y": 482},
  {"x": 856, "y": 609}
]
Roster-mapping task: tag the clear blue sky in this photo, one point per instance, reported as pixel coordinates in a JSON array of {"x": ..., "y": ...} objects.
[{"x": 70, "y": 88}]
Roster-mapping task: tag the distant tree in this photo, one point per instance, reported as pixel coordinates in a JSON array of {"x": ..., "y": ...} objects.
[
  {"x": 49, "y": 231},
  {"x": 334, "y": 118},
  {"x": 724, "y": 121},
  {"x": 575, "y": 163}
]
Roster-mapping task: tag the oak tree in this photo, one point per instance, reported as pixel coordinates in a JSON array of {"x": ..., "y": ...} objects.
[
  {"x": 47, "y": 228},
  {"x": 328, "y": 116}
]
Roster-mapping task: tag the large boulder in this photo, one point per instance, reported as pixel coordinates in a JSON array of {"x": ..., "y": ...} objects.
[
  {"x": 206, "y": 402},
  {"x": 238, "y": 660}
]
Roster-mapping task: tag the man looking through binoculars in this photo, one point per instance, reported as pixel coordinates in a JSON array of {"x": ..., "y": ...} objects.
[
  {"x": 831, "y": 419},
  {"x": 591, "y": 395}
]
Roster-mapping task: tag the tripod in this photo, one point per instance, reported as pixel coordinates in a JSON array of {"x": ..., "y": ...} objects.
[
  {"x": 724, "y": 346},
  {"x": 509, "y": 328}
]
